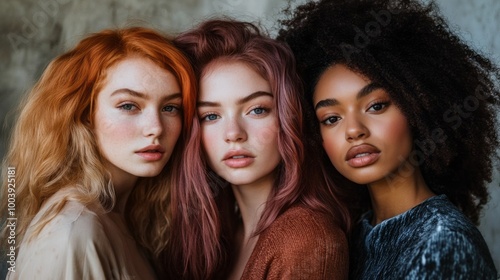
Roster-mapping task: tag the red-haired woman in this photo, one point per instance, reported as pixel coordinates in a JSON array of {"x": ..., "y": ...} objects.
[
  {"x": 244, "y": 208},
  {"x": 94, "y": 150}
]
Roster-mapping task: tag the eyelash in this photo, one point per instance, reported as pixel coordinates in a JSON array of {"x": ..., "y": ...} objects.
[
  {"x": 325, "y": 121},
  {"x": 205, "y": 116},
  {"x": 382, "y": 103},
  {"x": 174, "y": 108},
  {"x": 259, "y": 107},
  {"x": 328, "y": 121},
  {"x": 122, "y": 107}
]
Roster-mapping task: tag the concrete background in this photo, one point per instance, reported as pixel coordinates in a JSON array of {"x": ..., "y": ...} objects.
[{"x": 33, "y": 32}]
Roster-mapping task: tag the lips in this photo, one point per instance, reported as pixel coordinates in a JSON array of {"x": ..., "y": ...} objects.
[
  {"x": 238, "y": 158},
  {"x": 151, "y": 152},
  {"x": 362, "y": 155}
]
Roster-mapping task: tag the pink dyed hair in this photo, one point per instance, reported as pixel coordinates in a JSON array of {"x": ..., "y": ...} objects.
[{"x": 203, "y": 209}]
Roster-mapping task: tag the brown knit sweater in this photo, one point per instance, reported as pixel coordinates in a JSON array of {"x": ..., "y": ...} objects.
[{"x": 299, "y": 244}]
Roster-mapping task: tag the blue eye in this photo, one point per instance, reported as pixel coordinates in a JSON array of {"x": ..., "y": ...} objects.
[
  {"x": 210, "y": 117},
  {"x": 127, "y": 107},
  {"x": 258, "y": 111},
  {"x": 330, "y": 120},
  {"x": 170, "y": 108}
]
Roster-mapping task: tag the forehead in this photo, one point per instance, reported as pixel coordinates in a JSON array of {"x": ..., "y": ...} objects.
[
  {"x": 227, "y": 62},
  {"x": 134, "y": 66},
  {"x": 230, "y": 78},
  {"x": 338, "y": 79},
  {"x": 139, "y": 73}
]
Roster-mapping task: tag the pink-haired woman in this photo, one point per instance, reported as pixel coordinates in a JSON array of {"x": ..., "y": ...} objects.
[{"x": 251, "y": 203}]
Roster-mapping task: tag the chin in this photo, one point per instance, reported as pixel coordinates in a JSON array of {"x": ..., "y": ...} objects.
[
  {"x": 148, "y": 173},
  {"x": 367, "y": 181},
  {"x": 238, "y": 181}
]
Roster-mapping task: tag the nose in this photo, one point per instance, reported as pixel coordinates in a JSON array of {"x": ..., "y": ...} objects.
[
  {"x": 153, "y": 124},
  {"x": 355, "y": 129},
  {"x": 235, "y": 132}
]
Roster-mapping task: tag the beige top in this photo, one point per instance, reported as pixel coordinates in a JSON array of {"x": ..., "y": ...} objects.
[
  {"x": 299, "y": 244},
  {"x": 80, "y": 244}
]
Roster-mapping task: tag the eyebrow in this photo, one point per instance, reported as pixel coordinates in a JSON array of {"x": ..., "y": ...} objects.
[
  {"x": 366, "y": 90},
  {"x": 239, "y": 102},
  {"x": 369, "y": 88},
  {"x": 143, "y": 95}
]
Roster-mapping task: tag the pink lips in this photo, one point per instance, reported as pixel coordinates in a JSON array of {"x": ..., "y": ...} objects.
[
  {"x": 151, "y": 152},
  {"x": 362, "y": 155},
  {"x": 238, "y": 158}
]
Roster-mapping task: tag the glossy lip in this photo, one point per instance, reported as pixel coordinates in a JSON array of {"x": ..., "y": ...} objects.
[
  {"x": 151, "y": 152},
  {"x": 372, "y": 154},
  {"x": 246, "y": 159}
]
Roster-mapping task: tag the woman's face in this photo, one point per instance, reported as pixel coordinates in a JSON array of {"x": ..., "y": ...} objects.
[
  {"x": 364, "y": 133},
  {"x": 239, "y": 123},
  {"x": 137, "y": 118}
]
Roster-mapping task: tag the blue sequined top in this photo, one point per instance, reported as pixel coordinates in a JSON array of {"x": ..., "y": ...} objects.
[{"x": 433, "y": 240}]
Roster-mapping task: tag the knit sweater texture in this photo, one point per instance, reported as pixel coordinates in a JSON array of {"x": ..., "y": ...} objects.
[
  {"x": 433, "y": 240},
  {"x": 299, "y": 244}
]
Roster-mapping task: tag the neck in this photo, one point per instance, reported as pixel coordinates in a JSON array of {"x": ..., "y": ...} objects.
[
  {"x": 122, "y": 188},
  {"x": 398, "y": 194},
  {"x": 251, "y": 201}
]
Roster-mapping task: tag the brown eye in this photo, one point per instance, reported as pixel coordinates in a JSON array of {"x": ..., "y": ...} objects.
[
  {"x": 330, "y": 120},
  {"x": 378, "y": 106}
]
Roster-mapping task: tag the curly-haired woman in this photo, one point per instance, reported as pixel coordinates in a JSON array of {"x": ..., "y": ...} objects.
[{"x": 406, "y": 113}]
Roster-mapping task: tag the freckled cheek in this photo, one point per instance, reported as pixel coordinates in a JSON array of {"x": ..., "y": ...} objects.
[
  {"x": 114, "y": 130},
  {"x": 173, "y": 127}
]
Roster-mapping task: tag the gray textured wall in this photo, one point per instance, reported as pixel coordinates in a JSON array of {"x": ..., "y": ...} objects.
[
  {"x": 479, "y": 24},
  {"x": 35, "y": 31}
]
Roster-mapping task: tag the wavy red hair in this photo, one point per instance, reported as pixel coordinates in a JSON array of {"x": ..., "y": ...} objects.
[{"x": 53, "y": 147}]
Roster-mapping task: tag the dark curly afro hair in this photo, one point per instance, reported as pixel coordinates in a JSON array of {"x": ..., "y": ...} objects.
[{"x": 448, "y": 92}]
